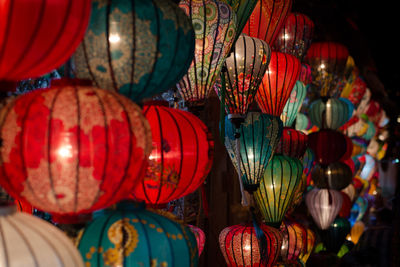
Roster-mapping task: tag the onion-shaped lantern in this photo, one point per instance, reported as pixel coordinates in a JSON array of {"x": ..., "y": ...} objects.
[
  {"x": 305, "y": 254},
  {"x": 277, "y": 187},
  {"x": 295, "y": 36},
  {"x": 240, "y": 246},
  {"x": 356, "y": 232},
  {"x": 259, "y": 136},
  {"x": 137, "y": 48},
  {"x": 267, "y": 19},
  {"x": 72, "y": 148},
  {"x": 244, "y": 70},
  {"x": 133, "y": 236},
  {"x": 214, "y": 24},
  {"x": 334, "y": 237},
  {"x": 181, "y": 157},
  {"x": 336, "y": 175},
  {"x": 292, "y": 143},
  {"x": 294, "y": 240},
  {"x": 39, "y": 36},
  {"x": 332, "y": 113},
  {"x": 324, "y": 205},
  {"x": 346, "y": 206},
  {"x": 293, "y": 104},
  {"x": 30, "y": 241},
  {"x": 328, "y": 146},
  {"x": 200, "y": 237},
  {"x": 278, "y": 82},
  {"x": 350, "y": 191}
]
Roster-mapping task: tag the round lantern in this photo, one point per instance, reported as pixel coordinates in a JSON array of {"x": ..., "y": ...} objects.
[
  {"x": 294, "y": 240},
  {"x": 346, "y": 206},
  {"x": 214, "y": 24},
  {"x": 324, "y": 205},
  {"x": 295, "y": 36},
  {"x": 293, "y": 104},
  {"x": 336, "y": 175},
  {"x": 30, "y": 241},
  {"x": 259, "y": 136},
  {"x": 72, "y": 148},
  {"x": 349, "y": 149},
  {"x": 350, "y": 107},
  {"x": 356, "y": 232},
  {"x": 328, "y": 146},
  {"x": 267, "y": 19},
  {"x": 181, "y": 157},
  {"x": 350, "y": 191},
  {"x": 200, "y": 237},
  {"x": 306, "y": 252},
  {"x": 292, "y": 143},
  {"x": 240, "y": 246},
  {"x": 329, "y": 113},
  {"x": 244, "y": 70},
  {"x": 278, "y": 82},
  {"x": 277, "y": 186},
  {"x": 39, "y": 36},
  {"x": 133, "y": 236},
  {"x": 334, "y": 237},
  {"x": 137, "y": 48}
]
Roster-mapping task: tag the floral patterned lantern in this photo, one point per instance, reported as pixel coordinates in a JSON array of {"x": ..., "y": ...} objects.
[
  {"x": 200, "y": 237},
  {"x": 181, "y": 158},
  {"x": 292, "y": 143},
  {"x": 294, "y": 240},
  {"x": 336, "y": 175},
  {"x": 305, "y": 254},
  {"x": 72, "y": 148},
  {"x": 293, "y": 104},
  {"x": 332, "y": 113},
  {"x": 133, "y": 236}
]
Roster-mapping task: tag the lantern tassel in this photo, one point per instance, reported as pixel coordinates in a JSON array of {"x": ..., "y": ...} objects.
[
  {"x": 262, "y": 241},
  {"x": 245, "y": 203}
]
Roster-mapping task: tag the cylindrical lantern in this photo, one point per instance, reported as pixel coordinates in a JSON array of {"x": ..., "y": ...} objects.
[
  {"x": 200, "y": 237},
  {"x": 292, "y": 143},
  {"x": 356, "y": 231},
  {"x": 334, "y": 237},
  {"x": 324, "y": 205},
  {"x": 72, "y": 148},
  {"x": 278, "y": 82},
  {"x": 346, "y": 206},
  {"x": 305, "y": 254},
  {"x": 336, "y": 175},
  {"x": 331, "y": 113},
  {"x": 240, "y": 246},
  {"x": 30, "y": 241},
  {"x": 181, "y": 157},
  {"x": 133, "y": 236},
  {"x": 137, "y": 48},
  {"x": 294, "y": 240},
  {"x": 277, "y": 187},
  {"x": 38, "y": 36},
  {"x": 214, "y": 24},
  {"x": 328, "y": 146},
  {"x": 293, "y": 104}
]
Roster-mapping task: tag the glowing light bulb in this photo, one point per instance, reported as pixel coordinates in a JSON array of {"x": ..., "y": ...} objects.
[
  {"x": 65, "y": 151},
  {"x": 322, "y": 66},
  {"x": 114, "y": 38}
]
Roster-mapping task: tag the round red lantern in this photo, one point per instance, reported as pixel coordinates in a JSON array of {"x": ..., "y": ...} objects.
[
  {"x": 38, "y": 36},
  {"x": 346, "y": 206},
  {"x": 72, "y": 148},
  {"x": 294, "y": 240},
  {"x": 181, "y": 158},
  {"x": 23, "y": 206},
  {"x": 328, "y": 145},
  {"x": 292, "y": 143}
]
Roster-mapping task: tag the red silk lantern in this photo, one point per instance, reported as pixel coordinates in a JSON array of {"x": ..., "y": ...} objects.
[
  {"x": 349, "y": 149},
  {"x": 72, "y": 148},
  {"x": 346, "y": 206},
  {"x": 328, "y": 146},
  {"x": 267, "y": 19},
  {"x": 181, "y": 158},
  {"x": 239, "y": 245},
  {"x": 200, "y": 237},
  {"x": 292, "y": 143},
  {"x": 24, "y": 207},
  {"x": 294, "y": 240},
  {"x": 278, "y": 82},
  {"x": 38, "y": 36}
]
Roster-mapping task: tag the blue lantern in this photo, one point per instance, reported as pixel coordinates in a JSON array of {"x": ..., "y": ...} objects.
[{"x": 293, "y": 104}]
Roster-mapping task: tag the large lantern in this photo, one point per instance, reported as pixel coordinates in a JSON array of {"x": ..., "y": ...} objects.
[
  {"x": 181, "y": 158},
  {"x": 324, "y": 205},
  {"x": 330, "y": 113},
  {"x": 292, "y": 143},
  {"x": 259, "y": 136},
  {"x": 30, "y": 241},
  {"x": 137, "y": 48},
  {"x": 277, "y": 187},
  {"x": 39, "y": 36},
  {"x": 305, "y": 254},
  {"x": 240, "y": 246},
  {"x": 293, "y": 104},
  {"x": 133, "y": 236},
  {"x": 334, "y": 237},
  {"x": 278, "y": 82},
  {"x": 328, "y": 146},
  {"x": 200, "y": 237},
  {"x": 336, "y": 175},
  {"x": 214, "y": 24},
  {"x": 72, "y": 148},
  {"x": 294, "y": 240}
]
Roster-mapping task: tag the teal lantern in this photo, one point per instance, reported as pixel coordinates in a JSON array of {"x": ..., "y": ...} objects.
[
  {"x": 138, "y": 48},
  {"x": 130, "y": 235},
  {"x": 293, "y": 104},
  {"x": 302, "y": 122},
  {"x": 329, "y": 113},
  {"x": 258, "y": 137}
]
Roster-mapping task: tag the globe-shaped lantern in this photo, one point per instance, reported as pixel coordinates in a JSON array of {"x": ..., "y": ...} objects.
[
  {"x": 328, "y": 146},
  {"x": 293, "y": 104},
  {"x": 277, "y": 187},
  {"x": 329, "y": 113},
  {"x": 214, "y": 24},
  {"x": 72, "y": 148},
  {"x": 292, "y": 143},
  {"x": 200, "y": 237},
  {"x": 305, "y": 254},
  {"x": 294, "y": 240},
  {"x": 336, "y": 175},
  {"x": 350, "y": 106},
  {"x": 334, "y": 237},
  {"x": 240, "y": 246},
  {"x": 130, "y": 235},
  {"x": 181, "y": 157},
  {"x": 39, "y": 36},
  {"x": 137, "y": 48},
  {"x": 30, "y": 241}
]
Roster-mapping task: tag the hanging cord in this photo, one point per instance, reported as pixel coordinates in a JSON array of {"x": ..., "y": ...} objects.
[
  {"x": 245, "y": 203},
  {"x": 222, "y": 104},
  {"x": 262, "y": 240}
]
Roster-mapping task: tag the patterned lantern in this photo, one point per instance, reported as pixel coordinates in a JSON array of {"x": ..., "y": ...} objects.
[
  {"x": 259, "y": 136},
  {"x": 295, "y": 36},
  {"x": 294, "y": 240},
  {"x": 293, "y": 104},
  {"x": 240, "y": 246},
  {"x": 324, "y": 205},
  {"x": 305, "y": 254},
  {"x": 346, "y": 206},
  {"x": 278, "y": 82},
  {"x": 292, "y": 143},
  {"x": 267, "y": 19},
  {"x": 214, "y": 26},
  {"x": 358, "y": 90},
  {"x": 336, "y": 175},
  {"x": 356, "y": 232},
  {"x": 133, "y": 236},
  {"x": 39, "y": 36},
  {"x": 245, "y": 68},
  {"x": 137, "y": 48},
  {"x": 72, "y": 148},
  {"x": 30, "y": 241},
  {"x": 331, "y": 113},
  {"x": 277, "y": 187},
  {"x": 200, "y": 237},
  {"x": 328, "y": 146},
  {"x": 181, "y": 158},
  {"x": 334, "y": 237},
  {"x": 350, "y": 191}
]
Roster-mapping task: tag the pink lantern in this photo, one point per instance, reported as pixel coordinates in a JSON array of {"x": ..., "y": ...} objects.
[{"x": 200, "y": 237}]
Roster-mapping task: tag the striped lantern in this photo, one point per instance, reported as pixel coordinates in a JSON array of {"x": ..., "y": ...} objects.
[
  {"x": 292, "y": 143},
  {"x": 329, "y": 113},
  {"x": 293, "y": 104},
  {"x": 336, "y": 175},
  {"x": 294, "y": 241}
]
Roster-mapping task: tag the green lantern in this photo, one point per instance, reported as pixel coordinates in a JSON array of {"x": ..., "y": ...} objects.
[
  {"x": 130, "y": 235},
  {"x": 139, "y": 48},
  {"x": 293, "y": 104},
  {"x": 329, "y": 113},
  {"x": 334, "y": 237}
]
